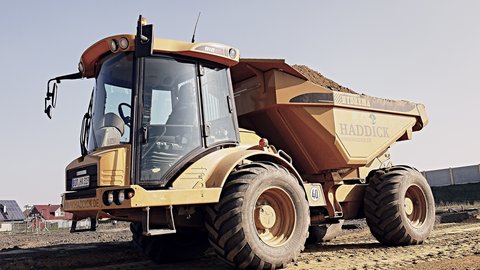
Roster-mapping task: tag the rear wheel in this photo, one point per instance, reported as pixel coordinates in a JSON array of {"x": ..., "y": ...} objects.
[
  {"x": 183, "y": 245},
  {"x": 262, "y": 218},
  {"x": 399, "y": 206}
]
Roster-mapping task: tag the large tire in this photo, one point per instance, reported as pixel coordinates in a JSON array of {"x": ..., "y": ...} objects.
[
  {"x": 183, "y": 245},
  {"x": 399, "y": 206},
  {"x": 261, "y": 221}
]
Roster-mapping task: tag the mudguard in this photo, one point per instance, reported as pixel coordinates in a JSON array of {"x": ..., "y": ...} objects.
[{"x": 212, "y": 170}]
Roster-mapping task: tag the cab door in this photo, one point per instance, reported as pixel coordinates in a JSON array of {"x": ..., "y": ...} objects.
[{"x": 171, "y": 118}]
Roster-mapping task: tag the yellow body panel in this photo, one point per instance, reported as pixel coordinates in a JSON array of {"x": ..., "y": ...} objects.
[
  {"x": 113, "y": 165},
  {"x": 350, "y": 193},
  {"x": 209, "y": 170},
  {"x": 248, "y": 137}
]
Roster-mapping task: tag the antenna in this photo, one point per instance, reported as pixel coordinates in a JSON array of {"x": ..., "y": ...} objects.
[{"x": 195, "y": 29}]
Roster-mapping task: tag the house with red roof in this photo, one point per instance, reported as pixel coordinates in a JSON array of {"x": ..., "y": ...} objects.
[{"x": 50, "y": 214}]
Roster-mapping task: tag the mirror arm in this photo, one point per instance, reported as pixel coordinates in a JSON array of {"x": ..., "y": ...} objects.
[
  {"x": 50, "y": 98},
  {"x": 72, "y": 76}
]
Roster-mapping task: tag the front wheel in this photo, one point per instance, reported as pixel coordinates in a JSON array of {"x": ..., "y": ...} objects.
[
  {"x": 399, "y": 206},
  {"x": 262, "y": 218}
]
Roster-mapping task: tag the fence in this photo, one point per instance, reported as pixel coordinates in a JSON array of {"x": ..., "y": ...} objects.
[
  {"x": 453, "y": 176},
  {"x": 37, "y": 226},
  {"x": 459, "y": 185}
]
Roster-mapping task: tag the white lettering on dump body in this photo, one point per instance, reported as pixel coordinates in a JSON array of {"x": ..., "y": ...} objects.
[{"x": 364, "y": 131}]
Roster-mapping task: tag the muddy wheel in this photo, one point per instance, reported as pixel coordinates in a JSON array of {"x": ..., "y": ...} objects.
[
  {"x": 183, "y": 245},
  {"x": 261, "y": 220},
  {"x": 399, "y": 206}
]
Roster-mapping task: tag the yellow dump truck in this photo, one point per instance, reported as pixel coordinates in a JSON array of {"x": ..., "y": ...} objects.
[{"x": 198, "y": 148}]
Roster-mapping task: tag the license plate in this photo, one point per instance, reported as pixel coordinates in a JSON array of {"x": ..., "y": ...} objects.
[{"x": 80, "y": 182}]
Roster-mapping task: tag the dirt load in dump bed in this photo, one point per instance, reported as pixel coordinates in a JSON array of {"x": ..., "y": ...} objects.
[{"x": 317, "y": 78}]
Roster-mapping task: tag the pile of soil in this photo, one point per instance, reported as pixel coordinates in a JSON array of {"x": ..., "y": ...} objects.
[{"x": 317, "y": 78}]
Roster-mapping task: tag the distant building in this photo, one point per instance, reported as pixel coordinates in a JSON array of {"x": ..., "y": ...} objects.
[
  {"x": 10, "y": 213},
  {"x": 50, "y": 212},
  {"x": 43, "y": 216}
]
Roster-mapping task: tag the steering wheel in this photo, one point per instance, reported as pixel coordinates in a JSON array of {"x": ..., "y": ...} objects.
[{"x": 126, "y": 119}]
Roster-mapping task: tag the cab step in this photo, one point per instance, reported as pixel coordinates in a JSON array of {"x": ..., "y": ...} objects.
[
  {"x": 93, "y": 226},
  {"x": 147, "y": 231}
]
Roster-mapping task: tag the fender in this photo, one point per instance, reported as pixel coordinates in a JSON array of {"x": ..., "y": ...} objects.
[{"x": 213, "y": 170}]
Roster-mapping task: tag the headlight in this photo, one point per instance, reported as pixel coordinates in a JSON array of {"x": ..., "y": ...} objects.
[
  {"x": 108, "y": 198},
  {"x": 232, "y": 53},
  {"x": 123, "y": 43},
  {"x": 113, "y": 45},
  {"x": 119, "y": 197}
]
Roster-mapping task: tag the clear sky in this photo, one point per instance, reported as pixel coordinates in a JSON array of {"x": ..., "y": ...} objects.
[{"x": 422, "y": 51}]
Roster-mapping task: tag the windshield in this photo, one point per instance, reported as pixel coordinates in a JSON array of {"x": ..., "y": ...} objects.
[{"x": 112, "y": 103}]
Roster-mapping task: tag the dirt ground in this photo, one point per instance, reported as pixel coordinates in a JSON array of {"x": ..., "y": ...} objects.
[{"x": 451, "y": 246}]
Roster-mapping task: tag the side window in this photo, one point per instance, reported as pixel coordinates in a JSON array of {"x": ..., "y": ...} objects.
[{"x": 217, "y": 105}]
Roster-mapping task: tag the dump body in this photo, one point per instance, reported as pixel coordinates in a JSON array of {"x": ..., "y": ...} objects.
[{"x": 319, "y": 128}]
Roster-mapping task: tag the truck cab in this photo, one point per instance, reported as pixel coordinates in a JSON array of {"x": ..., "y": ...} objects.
[{"x": 184, "y": 108}]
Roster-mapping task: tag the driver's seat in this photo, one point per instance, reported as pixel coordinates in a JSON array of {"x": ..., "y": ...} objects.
[
  {"x": 111, "y": 130},
  {"x": 185, "y": 111}
]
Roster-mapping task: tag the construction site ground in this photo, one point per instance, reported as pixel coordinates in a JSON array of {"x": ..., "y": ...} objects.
[{"x": 454, "y": 245}]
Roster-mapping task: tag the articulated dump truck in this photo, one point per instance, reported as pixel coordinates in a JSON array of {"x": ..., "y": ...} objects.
[{"x": 197, "y": 148}]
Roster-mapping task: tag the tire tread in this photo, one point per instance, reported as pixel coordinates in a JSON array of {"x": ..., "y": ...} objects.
[{"x": 382, "y": 206}]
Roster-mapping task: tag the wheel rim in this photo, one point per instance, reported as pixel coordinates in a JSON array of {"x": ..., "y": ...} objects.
[
  {"x": 274, "y": 216},
  {"x": 415, "y": 205}
]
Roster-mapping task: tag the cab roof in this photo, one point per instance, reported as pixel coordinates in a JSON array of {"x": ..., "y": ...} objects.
[{"x": 214, "y": 52}]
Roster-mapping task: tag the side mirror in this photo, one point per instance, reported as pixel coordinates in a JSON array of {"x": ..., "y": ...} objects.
[
  {"x": 51, "y": 96},
  {"x": 48, "y": 111},
  {"x": 50, "y": 99}
]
